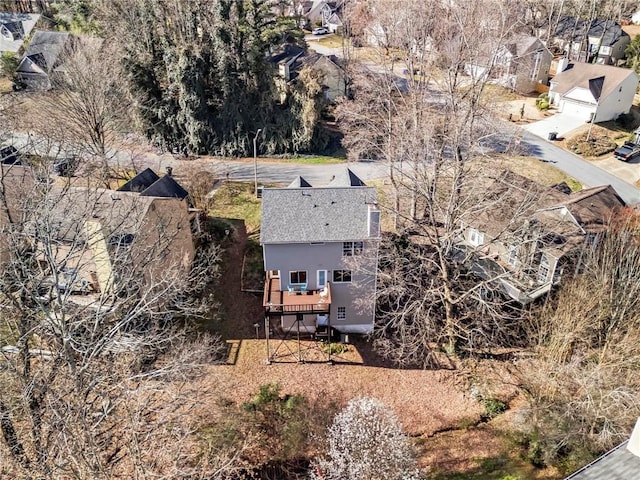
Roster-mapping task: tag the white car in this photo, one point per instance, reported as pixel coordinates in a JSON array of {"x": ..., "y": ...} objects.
[{"x": 320, "y": 31}]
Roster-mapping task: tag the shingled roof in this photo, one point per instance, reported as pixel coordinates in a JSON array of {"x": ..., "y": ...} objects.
[
  {"x": 346, "y": 178},
  {"x": 140, "y": 182},
  {"x": 305, "y": 215},
  {"x": 299, "y": 182},
  {"x": 579, "y": 74}
]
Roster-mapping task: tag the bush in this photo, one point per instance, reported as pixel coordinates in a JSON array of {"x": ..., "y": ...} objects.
[
  {"x": 542, "y": 102},
  {"x": 493, "y": 407},
  {"x": 9, "y": 64}
]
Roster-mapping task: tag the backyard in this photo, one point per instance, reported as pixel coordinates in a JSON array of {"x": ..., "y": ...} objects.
[{"x": 438, "y": 408}]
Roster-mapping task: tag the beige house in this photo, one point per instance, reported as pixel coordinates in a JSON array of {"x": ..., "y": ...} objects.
[
  {"x": 533, "y": 233},
  {"x": 95, "y": 237}
]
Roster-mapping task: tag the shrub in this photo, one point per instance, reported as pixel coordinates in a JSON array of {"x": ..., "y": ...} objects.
[
  {"x": 9, "y": 64},
  {"x": 493, "y": 407}
]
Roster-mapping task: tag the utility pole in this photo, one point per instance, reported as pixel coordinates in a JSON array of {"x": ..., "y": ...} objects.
[{"x": 255, "y": 163}]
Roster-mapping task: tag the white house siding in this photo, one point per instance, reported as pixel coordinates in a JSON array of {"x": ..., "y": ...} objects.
[
  {"x": 356, "y": 296},
  {"x": 619, "y": 101}
]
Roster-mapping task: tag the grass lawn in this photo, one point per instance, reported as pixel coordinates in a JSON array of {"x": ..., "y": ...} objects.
[
  {"x": 536, "y": 170},
  {"x": 236, "y": 200},
  {"x": 331, "y": 41}
]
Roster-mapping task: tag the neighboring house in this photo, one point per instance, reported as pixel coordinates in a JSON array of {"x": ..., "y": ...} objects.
[
  {"x": 519, "y": 64},
  {"x": 598, "y": 41},
  {"x": 584, "y": 90},
  {"x": 97, "y": 236},
  {"x": 620, "y": 463},
  {"x": 533, "y": 233},
  {"x": 320, "y": 247},
  {"x": 14, "y": 28},
  {"x": 323, "y": 12},
  {"x": 43, "y": 59},
  {"x": 292, "y": 59}
]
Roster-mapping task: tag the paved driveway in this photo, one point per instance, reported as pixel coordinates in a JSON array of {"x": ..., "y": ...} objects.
[{"x": 560, "y": 122}]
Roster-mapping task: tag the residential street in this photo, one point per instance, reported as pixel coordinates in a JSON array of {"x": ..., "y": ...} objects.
[
  {"x": 585, "y": 172},
  {"x": 281, "y": 172}
]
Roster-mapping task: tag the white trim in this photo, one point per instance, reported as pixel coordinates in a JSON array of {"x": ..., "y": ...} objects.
[{"x": 321, "y": 284}]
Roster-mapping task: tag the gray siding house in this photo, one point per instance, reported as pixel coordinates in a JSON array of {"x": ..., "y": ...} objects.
[{"x": 320, "y": 249}]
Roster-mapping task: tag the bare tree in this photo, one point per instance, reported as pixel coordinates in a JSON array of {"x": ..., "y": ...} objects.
[
  {"x": 582, "y": 386},
  {"x": 93, "y": 364},
  {"x": 428, "y": 124}
]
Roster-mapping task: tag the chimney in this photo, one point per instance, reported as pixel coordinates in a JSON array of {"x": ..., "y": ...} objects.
[
  {"x": 634, "y": 442},
  {"x": 169, "y": 170}
]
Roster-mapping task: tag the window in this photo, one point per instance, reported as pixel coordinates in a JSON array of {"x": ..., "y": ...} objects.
[
  {"x": 322, "y": 278},
  {"x": 512, "y": 256},
  {"x": 342, "y": 276},
  {"x": 543, "y": 271},
  {"x": 374, "y": 223},
  {"x": 342, "y": 313},
  {"x": 298, "y": 277},
  {"x": 536, "y": 66},
  {"x": 475, "y": 237},
  {"x": 350, "y": 249}
]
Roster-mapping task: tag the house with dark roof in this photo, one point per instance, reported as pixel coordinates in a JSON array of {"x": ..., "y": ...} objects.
[
  {"x": 95, "y": 235},
  {"x": 597, "y": 41},
  {"x": 291, "y": 60},
  {"x": 320, "y": 247},
  {"x": 323, "y": 12},
  {"x": 148, "y": 184},
  {"x": 586, "y": 90},
  {"x": 533, "y": 233},
  {"x": 43, "y": 59},
  {"x": 520, "y": 64},
  {"x": 14, "y": 29},
  {"x": 619, "y": 463}
]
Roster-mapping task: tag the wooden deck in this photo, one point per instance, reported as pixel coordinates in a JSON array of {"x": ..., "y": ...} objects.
[{"x": 277, "y": 302}]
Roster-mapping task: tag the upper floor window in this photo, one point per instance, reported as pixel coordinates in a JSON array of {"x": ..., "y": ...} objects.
[
  {"x": 341, "y": 276},
  {"x": 342, "y": 313},
  {"x": 475, "y": 237},
  {"x": 350, "y": 249},
  {"x": 543, "y": 271},
  {"x": 298, "y": 277}
]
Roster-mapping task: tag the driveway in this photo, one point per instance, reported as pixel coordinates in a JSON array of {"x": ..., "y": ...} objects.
[{"x": 560, "y": 122}]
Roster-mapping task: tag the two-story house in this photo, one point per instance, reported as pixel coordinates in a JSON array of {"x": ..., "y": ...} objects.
[
  {"x": 597, "y": 41},
  {"x": 94, "y": 241},
  {"x": 520, "y": 64},
  {"x": 532, "y": 233},
  {"x": 320, "y": 247}
]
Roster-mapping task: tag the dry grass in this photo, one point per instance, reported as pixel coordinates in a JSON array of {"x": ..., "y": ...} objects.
[
  {"x": 425, "y": 400},
  {"x": 534, "y": 169}
]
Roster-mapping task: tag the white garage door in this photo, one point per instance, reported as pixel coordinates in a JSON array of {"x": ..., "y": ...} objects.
[{"x": 578, "y": 110}]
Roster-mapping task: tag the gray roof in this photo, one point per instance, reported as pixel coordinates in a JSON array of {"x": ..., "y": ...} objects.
[
  {"x": 19, "y": 25},
  {"x": 303, "y": 215},
  {"x": 617, "y": 464},
  {"x": 346, "y": 178},
  {"x": 299, "y": 182},
  {"x": 570, "y": 28},
  {"x": 45, "y": 50}
]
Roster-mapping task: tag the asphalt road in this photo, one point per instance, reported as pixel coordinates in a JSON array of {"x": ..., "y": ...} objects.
[{"x": 585, "y": 172}]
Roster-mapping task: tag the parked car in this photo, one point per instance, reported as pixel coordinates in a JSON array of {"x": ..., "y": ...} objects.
[
  {"x": 320, "y": 31},
  {"x": 628, "y": 151}
]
